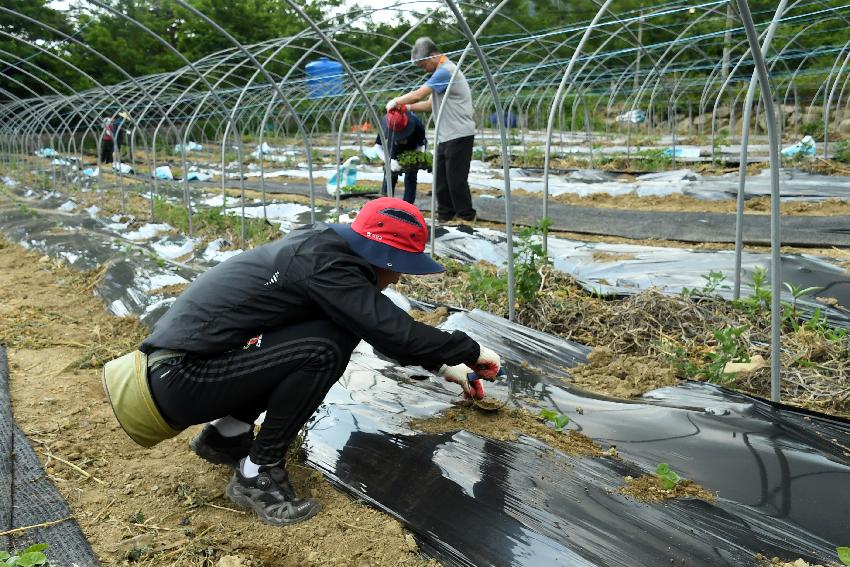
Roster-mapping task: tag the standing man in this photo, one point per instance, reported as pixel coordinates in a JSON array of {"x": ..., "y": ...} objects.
[{"x": 457, "y": 128}]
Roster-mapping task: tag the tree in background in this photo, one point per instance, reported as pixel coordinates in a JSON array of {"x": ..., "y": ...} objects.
[{"x": 34, "y": 61}]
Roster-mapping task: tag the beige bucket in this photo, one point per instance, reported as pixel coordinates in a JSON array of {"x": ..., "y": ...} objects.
[{"x": 125, "y": 381}]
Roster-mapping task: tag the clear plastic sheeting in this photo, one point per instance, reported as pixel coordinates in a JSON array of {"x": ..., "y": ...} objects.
[
  {"x": 625, "y": 269},
  {"x": 476, "y": 501}
]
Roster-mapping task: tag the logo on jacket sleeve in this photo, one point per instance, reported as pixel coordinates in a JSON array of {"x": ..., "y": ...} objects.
[
  {"x": 273, "y": 279},
  {"x": 255, "y": 342}
]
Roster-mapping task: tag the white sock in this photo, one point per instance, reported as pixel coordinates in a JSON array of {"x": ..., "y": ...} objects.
[
  {"x": 230, "y": 426},
  {"x": 249, "y": 468}
]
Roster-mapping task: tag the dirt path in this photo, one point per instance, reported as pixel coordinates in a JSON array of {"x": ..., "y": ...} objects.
[{"x": 162, "y": 506}]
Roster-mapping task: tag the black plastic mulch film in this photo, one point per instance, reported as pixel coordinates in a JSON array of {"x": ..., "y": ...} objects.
[
  {"x": 28, "y": 497},
  {"x": 781, "y": 475}
]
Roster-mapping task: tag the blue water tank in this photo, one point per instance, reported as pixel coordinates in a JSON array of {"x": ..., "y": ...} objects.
[{"x": 324, "y": 78}]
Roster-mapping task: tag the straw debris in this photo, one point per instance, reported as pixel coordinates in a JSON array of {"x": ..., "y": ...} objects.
[{"x": 671, "y": 337}]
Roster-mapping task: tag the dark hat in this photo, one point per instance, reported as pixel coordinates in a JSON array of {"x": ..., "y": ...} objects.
[
  {"x": 391, "y": 234},
  {"x": 398, "y": 124}
]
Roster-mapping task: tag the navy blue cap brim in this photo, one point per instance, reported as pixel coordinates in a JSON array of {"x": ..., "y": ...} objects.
[
  {"x": 401, "y": 135},
  {"x": 387, "y": 257}
]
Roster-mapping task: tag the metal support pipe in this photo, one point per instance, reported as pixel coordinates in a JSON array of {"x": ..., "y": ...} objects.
[{"x": 775, "y": 236}]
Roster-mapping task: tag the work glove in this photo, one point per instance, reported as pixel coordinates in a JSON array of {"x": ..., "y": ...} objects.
[
  {"x": 420, "y": 148},
  {"x": 394, "y": 165},
  {"x": 459, "y": 374},
  {"x": 391, "y": 104},
  {"x": 488, "y": 364},
  {"x": 379, "y": 150}
]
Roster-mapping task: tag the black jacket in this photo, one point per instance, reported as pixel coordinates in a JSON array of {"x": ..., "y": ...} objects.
[
  {"x": 416, "y": 139},
  {"x": 310, "y": 274}
]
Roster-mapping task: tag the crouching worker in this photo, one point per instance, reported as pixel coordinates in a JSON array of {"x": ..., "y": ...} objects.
[
  {"x": 404, "y": 133},
  {"x": 271, "y": 330}
]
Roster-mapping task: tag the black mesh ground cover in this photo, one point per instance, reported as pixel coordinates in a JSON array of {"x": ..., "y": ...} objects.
[
  {"x": 804, "y": 231},
  {"x": 28, "y": 497}
]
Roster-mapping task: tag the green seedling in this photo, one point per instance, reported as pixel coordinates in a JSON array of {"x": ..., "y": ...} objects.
[
  {"x": 796, "y": 293},
  {"x": 31, "y": 556},
  {"x": 559, "y": 420},
  {"x": 843, "y": 554},
  {"x": 666, "y": 476},
  {"x": 410, "y": 161}
]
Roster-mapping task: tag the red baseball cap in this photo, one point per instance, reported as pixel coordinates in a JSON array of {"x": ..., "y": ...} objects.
[
  {"x": 391, "y": 234},
  {"x": 398, "y": 123}
]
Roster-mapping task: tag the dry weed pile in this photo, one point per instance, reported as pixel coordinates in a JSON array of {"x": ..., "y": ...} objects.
[{"x": 663, "y": 333}]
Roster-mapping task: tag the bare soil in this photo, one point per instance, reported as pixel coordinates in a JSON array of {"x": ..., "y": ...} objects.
[
  {"x": 507, "y": 424},
  {"x": 163, "y": 506},
  {"x": 777, "y": 562},
  {"x": 622, "y": 376},
  {"x": 648, "y": 489}
]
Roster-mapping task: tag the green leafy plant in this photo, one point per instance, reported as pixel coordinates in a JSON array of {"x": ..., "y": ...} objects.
[
  {"x": 529, "y": 258},
  {"x": 486, "y": 287},
  {"x": 666, "y": 476},
  {"x": 760, "y": 299},
  {"x": 819, "y": 324},
  {"x": 412, "y": 161},
  {"x": 31, "y": 556},
  {"x": 843, "y": 554},
  {"x": 841, "y": 152},
  {"x": 729, "y": 349},
  {"x": 713, "y": 281},
  {"x": 559, "y": 420},
  {"x": 796, "y": 293}
]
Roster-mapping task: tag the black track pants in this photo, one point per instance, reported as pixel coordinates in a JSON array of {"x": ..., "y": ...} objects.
[
  {"x": 451, "y": 183},
  {"x": 409, "y": 186},
  {"x": 286, "y": 373}
]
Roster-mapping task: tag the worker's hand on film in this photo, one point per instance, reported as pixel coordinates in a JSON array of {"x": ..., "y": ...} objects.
[
  {"x": 488, "y": 364},
  {"x": 459, "y": 374},
  {"x": 421, "y": 149},
  {"x": 394, "y": 165},
  {"x": 391, "y": 104}
]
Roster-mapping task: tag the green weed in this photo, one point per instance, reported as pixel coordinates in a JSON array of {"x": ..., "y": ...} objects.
[
  {"x": 214, "y": 223},
  {"x": 729, "y": 349},
  {"x": 666, "y": 476},
  {"x": 485, "y": 287},
  {"x": 759, "y": 301},
  {"x": 559, "y": 420},
  {"x": 713, "y": 280},
  {"x": 31, "y": 556},
  {"x": 529, "y": 258},
  {"x": 790, "y": 311},
  {"x": 843, "y": 554}
]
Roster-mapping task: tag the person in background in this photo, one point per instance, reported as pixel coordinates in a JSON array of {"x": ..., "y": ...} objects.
[
  {"x": 456, "y": 134},
  {"x": 120, "y": 130},
  {"x": 107, "y": 144},
  {"x": 404, "y": 133}
]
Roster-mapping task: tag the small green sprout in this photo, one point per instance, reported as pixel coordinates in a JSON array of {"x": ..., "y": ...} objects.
[
  {"x": 30, "y": 557},
  {"x": 559, "y": 420},
  {"x": 843, "y": 554},
  {"x": 668, "y": 478}
]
